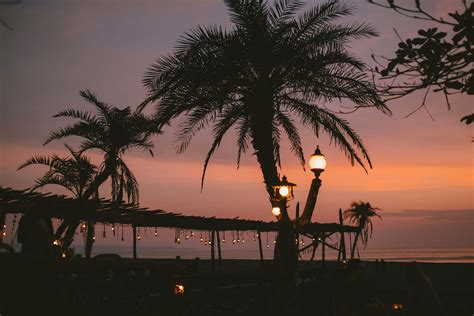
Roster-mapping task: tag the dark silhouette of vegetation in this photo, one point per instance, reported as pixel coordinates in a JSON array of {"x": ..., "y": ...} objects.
[
  {"x": 272, "y": 68},
  {"x": 432, "y": 61},
  {"x": 74, "y": 173},
  {"x": 112, "y": 131},
  {"x": 360, "y": 214}
]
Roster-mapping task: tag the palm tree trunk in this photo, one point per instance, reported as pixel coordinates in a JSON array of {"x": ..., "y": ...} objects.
[
  {"x": 89, "y": 238},
  {"x": 354, "y": 245}
]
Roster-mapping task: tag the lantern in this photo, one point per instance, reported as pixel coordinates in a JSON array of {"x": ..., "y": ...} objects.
[
  {"x": 317, "y": 162},
  {"x": 283, "y": 191}
]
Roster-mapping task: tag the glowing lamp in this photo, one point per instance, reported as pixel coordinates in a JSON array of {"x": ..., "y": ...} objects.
[
  {"x": 317, "y": 162},
  {"x": 56, "y": 242},
  {"x": 179, "y": 289},
  {"x": 396, "y": 306},
  {"x": 283, "y": 191},
  {"x": 276, "y": 211}
]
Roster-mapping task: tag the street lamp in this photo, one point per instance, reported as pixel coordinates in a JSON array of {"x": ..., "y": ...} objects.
[{"x": 317, "y": 162}]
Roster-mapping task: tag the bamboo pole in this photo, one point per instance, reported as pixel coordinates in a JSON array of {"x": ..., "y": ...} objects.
[{"x": 134, "y": 228}]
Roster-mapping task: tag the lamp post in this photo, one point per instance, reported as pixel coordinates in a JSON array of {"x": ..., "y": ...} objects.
[{"x": 283, "y": 192}]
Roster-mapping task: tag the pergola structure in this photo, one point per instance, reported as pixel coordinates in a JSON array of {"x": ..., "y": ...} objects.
[{"x": 104, "y": 211}]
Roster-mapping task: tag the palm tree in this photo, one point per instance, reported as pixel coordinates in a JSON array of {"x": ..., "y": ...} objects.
[
  {"x": 75, "y": 173},
  {"x": 270, "y": 70},
  {"x": 360, "y": 213},
  {"x": 114, "y": 132}
]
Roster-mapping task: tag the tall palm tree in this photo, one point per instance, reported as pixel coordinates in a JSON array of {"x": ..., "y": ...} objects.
[
  {"x": 361, "y": 213},
  {"x": 114, "y": 132},
  {"x": 271, "y": 69}
]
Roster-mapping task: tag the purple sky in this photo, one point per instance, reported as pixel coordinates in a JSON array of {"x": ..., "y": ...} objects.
[{"x": 422, "y": 176}]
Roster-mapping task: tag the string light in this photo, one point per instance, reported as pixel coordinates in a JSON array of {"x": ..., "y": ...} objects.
[
  {"x": 238, "y": 237},
  {"x": 192, "y": 233},
  {"x": 156, "y": 232},
  {"x": 223, "y": 238},
  {"x": 201, "y": 239},
  {"x": 93, "y": 238},
  {"x": 139, "y": 236}
]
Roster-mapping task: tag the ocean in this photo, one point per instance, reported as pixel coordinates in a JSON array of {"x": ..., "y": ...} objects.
[{"x": 440, "y": 255}]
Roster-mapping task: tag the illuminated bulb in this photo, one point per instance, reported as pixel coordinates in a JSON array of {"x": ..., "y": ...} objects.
[
  {"x": 63, "y": 255},
  {"x": 201, "y": 240},
  {"x": 268, "y": 246},
  {"x": 178, "y": 240},
  {"x": 192, "y": 233},
  {"x": 93, "y": 238},
  {"x": 302, "y": 242},
  {"x": 258, "y": 235},
  {"x": 223, "y": 239},
  {"x": 113, "y": 228},
  {"x": 276, "y": 211},
  {"x": 56, "y": 242},
  {"x": 238, "y": 240},
  {"x": 156, "y": 234},
  {"x": 209, "y": 242},
  {"x": 284, "y": 191},
  {"x": 139, "y": 237},
  {"x": 275, "y": 241},
  {"x": 233, "y": 241},
  {"x": 4, "y": 234},
  {"x": 243, "y": 240},
  {"x": 186, "y": 237},
  {"x": 83, "y": 225}
]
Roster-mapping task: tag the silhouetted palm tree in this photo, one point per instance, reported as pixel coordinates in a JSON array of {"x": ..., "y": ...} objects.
[
  {"x": 74, "y": 173},
  {"x": 112, "y": 131},
  {"x": 360, "y": 213},
  {"x": 271, "y": 69}
]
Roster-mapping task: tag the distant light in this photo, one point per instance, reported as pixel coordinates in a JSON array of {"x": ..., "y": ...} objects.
[
  {"x": 179, "y": 289},
  {"x": 56, "y": 242},
  {"x": 397, "y": 306},
  {"x": 63, "y": 255}
]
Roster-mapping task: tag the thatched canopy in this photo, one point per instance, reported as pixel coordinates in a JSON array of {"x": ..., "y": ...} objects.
[{"x": 104, "y": 211}]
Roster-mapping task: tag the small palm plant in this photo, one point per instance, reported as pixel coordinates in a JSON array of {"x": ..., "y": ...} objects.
[
  {"x": 113, "y": 132},
  {"x": 75, "y": 173},
  {"x": 361, "y": 213}
]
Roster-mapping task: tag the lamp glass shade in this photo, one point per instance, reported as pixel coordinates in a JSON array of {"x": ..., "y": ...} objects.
[
  {"x": 284, "y": 191},
  {"x": 276, "y": 211},
  {"x": 317, "y": 162}
]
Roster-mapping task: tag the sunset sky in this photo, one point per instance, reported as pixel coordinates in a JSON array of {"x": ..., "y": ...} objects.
[{"x": 422, "y": 176}]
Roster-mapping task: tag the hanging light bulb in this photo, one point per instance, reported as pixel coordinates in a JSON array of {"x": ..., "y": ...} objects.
[
  {"x": 192, "y": 233},
  {"x": 223, "y": 238},
  {"x": 156, "y": 232},
  {"x": 139, "y": 237}
]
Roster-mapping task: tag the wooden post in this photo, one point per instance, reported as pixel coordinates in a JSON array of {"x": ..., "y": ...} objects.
[
  {"x": 260, "y": 245},
  {"x": 324, "y": 251},
  {"x": 213, "y": 254},
  {"x": 219, "y": 255},
  {"x": 342, "y": 246},
  {"x": 2, "y": 225},
  {"x": 134, "y": 229}
]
